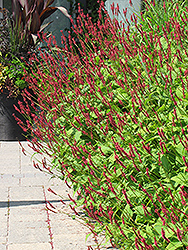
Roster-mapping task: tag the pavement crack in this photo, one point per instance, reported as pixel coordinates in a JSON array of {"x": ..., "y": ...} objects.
[
  {"x": 48, "y": 220},
  {"x": 8, "y": 217},
  {"x": 20, "y": 170}
]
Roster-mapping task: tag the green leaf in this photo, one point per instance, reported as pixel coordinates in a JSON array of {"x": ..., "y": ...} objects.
[
  {"x": 179, "y": 92},
  {"x": 181, "y": 178},
  {"x": 149, "y": 229},
  {"x": 106, "y": 149},
  {"x": 174, "y": 245},
  {"x": 88, "y": 236},
  {"x": 162, "y": 108},
  {"x": 97, "y": 59},
  {"x": 181, "y": 150},
  {"x": 128, "y": 211},
  {"x": 112, "y": 195},
  {"x": 112, "y": 158},
  {"x": 166, "y": 163},
  {"x": 77, "y": 135},
  {"x": 139, "y": 209},
  {"x": 70, "y": 75}
]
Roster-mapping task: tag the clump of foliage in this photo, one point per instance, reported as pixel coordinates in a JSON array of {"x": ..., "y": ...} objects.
[
  {"x": 14, "y": 76},
  {"x": 2, "y": 77},
  {"x": 12, "y": 42},
  {"x": 18, "y": 38},
  {"x": 28, "y": 17},
  {"x": 90, "y": 7},
  {"x": 14, "y": 48},
  {"x": 114, "y": 120}
]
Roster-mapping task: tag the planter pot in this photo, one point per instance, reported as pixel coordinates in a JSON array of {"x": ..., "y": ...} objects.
[{"x": 9, "y": 129}]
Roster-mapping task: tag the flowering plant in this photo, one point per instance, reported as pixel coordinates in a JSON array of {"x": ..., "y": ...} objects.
[
  {"x": 114, "y": 120},
  {"x": 18, "y": 38},
  {"x": 13, "y": 77}
]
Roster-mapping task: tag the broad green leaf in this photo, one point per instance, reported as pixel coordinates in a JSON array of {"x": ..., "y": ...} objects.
[
  {"x": 166, "y": 163},
  {"x": 174, "y": 245},
  {"x": 112, "y": 158},
  {"x": 179, "y": 92},
  {"x": 128, "y": 211},
  {"x": 77, "y": 135},
  {"x": 162, "y": 108},
  {"x": 181, "y": 178},
  {"x": 181, "y": 150},
  {"x": 106, "y": 149},
  {"x": 149, "y": 229},
  {"x": 112, "y": 195},
  {"x": 70, "y": 75}
]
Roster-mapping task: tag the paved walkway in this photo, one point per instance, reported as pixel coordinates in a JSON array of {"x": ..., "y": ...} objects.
[{"x": 25, "y": 224}]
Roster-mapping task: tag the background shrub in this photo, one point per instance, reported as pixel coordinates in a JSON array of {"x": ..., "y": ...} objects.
[{"x": 114, "y": 120}]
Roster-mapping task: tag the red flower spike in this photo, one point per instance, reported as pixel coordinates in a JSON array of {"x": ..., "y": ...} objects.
[{"x": 163, "y": 235}]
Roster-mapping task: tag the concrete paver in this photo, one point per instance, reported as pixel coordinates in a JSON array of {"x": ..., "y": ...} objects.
[
  {"x": 3, "y": 193},
  {"x": 3, "y": 229},
  {"x": 9, "y": 180},
  {"x": 2, "y": 240},
  {"x": 28, "y": 232},
  {"x": 35, "y": 181},
  {"x": 2, "y": 246},
  {"x": 35, "y": 246},
  {"x": 28, "y": 211},
  {"x": 3, "y": 223},
  {"x": 26, "y": 193}
]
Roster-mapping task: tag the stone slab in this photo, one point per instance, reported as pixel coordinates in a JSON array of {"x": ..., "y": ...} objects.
[
  {"x": 8, "y": 180},
  {"x": 28, "y": 213},
  {"x": 3, "y": 216},
  {"x": 35, "y": 246},
  {"x": 9, "y": 166},
  {"x": 3, "y": 229},
  {"x": 9, "y": 154},
  {"x": 36, "y": 181},
  {"x": 28, "y": 168},
  {"x": 70, "y": 242},
  {"x": 2, "y": 240},
  {"x": 28, "y": 227},
  {"x": 28, "y": 232},
  {"x": 26, "y": 193},
  {"x": 3, "y": 246},
  {"x": 3, "y": 193}
]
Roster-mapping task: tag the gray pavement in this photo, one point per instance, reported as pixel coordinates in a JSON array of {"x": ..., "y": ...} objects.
[{"x": 25, "y": 223}]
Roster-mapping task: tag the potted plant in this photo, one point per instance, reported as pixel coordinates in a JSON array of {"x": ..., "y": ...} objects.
[{"x": 18, "y": 40}]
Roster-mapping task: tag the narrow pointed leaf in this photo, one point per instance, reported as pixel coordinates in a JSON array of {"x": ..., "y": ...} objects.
[
  {"x": 34, "y": 38},
  {"x": 46, "y": 13},
  {"x": 44, "y": 26},
  {"x": 23, "y": 2},
  {"x": 16, "y": 9},
  {"x": 64, "y": 11},
  {"x": 30, "y": 5},
  {"x": 40, "y": 6},
  {"x": 48, "y": 2},
  {"x": 35, "y": 23}
]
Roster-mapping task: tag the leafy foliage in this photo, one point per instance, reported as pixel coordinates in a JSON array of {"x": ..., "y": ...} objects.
[
  {"x": 18, "y": 38},
  {"x": 12, "y": 43},
  {"x": 114, "y": 120},
  {"x": 29, "y": 16}
]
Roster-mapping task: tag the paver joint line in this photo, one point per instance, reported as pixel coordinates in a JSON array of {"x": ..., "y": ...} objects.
[{"x": 8, "y": 217}]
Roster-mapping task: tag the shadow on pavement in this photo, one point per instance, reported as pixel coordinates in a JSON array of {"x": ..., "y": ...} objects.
[{"x": 24, "y": 203}]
